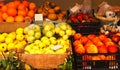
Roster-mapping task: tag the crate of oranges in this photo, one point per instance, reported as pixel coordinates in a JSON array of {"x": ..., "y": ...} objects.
[{"x": 16, "y": 14}]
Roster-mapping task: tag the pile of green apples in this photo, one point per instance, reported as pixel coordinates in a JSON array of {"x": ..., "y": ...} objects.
[{"x": 53, "y": 39}]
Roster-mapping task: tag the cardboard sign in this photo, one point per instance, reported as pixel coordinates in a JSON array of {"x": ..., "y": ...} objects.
[{"x": 38, "y": 17}]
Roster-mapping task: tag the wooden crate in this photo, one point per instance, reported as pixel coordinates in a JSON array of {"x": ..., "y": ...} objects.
[{"x": 12, "y": 26}]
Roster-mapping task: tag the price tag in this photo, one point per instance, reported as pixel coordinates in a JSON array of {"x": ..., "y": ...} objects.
[
  {"x": 56, "y": 47},
  {"x": 38, "y": 17}
]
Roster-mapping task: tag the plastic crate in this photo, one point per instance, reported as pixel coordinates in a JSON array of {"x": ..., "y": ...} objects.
[
  {"x": 87, "y": 27},
  {"x": 85, "y": 62}
]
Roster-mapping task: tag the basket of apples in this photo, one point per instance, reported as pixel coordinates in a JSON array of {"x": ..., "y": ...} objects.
[
  {"x": 84, "y": 23},
  {"x": 95, "y": 52}
]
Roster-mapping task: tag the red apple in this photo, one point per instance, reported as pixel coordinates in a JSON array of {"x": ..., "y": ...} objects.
[
  {"x": 77, "y": 36},
  {"x": 113, "y": 49},
  {"x": 102, "y": 49},
  {"x": 116, "y": 38},
  {"x": 91, "y": 36}
]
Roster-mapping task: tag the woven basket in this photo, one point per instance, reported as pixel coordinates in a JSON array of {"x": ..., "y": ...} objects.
[{"x": 43, "y": 61}]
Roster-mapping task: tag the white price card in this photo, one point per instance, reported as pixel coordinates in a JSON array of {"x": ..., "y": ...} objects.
[{"x": 38, "y": 17}]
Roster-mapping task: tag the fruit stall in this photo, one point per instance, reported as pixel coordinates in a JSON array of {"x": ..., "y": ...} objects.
[{"x": 53, "y": 35}]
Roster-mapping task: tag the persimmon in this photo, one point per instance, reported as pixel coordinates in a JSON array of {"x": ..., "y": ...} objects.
[
  {"x": 19, "y": 18},
  {"x": 76, "y": 42},
  {"x": 77, "y": 36},
  {"x": 4, "y": 8},
  {"x": 32, "y": 6},
  {"x": 10, "y": 19},
  {"x": 11, "y": 11}
]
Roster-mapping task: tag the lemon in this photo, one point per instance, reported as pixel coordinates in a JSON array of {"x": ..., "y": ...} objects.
[
  {"x": 19, "y": 37},
  {"x": 10, "y": 46},
  {"x": 8, "y": 40},
  {"x": 2, "y": 38},
  {"x": 19, "y": 31},
  {"x": 3, "y": 47}
]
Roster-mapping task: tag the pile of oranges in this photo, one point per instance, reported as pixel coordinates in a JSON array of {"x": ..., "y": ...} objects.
[{"x": 17, "y": 11}]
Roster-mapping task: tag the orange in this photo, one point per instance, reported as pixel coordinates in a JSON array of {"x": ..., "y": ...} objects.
[
  {"x": 12, "y": 12},
  {"x": 21, "y": 7},
  {"x": 10, "y": 19},
  {"x": 32, "y": 6},
  {"x": 11, "y": 5},
  {"x": 22, "y": 12},
  {"x": 52, "y": 16},
  {"x": 31, "y": 13},
  {"x": 4, "y": 8},
  {"x": 26, "y": 3},
  {"x": 4, "y": 16},
  {"x": 17, "y": 3},
  {"x": 19, "y": 18}
]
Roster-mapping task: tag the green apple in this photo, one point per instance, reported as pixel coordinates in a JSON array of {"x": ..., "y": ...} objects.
[
  {"x": 69, "y": 32},
  {"x": 19, "y": 37},
  {"x": 57, "y": 30},
  {"x": 63, "y": 26},
  {"x": 37, "y": 42},
  {"x": 49, "y": 34},
  {"x": 61, "y": 33},
  {"x": 31, "y": 33},
  {"x": 41, "y": 45},
  {"x": 37, "y": 35},
  {"x": 46, "y": 28},
  {"x": 65, "y": 37},
  {"x": 69, "y": 27},
  {"x": 36, "y": 28},
  {"x": 53, "y": 40},
  {"x": 44, "y": 38},
  {"x": 46, "y": 42},
  {"x": 8, "y": 40},
  {"x": 60, "y": 51},
  {"x": 30, "y": 39},
  {"x": 26, "y": 29}
]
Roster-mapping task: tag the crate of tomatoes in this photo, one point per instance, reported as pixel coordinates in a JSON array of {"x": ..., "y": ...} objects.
[
  {"x": 84, "y": 23},
  {"x": 95, "y": 52}
]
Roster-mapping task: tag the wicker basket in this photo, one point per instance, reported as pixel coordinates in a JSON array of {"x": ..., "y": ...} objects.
[{"x": 43, "y": 61}]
